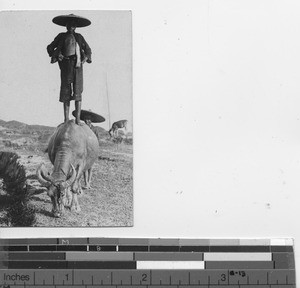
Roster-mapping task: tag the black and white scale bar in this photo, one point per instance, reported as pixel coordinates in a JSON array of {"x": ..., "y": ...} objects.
[
  {"x": 103, "y": 248},
  {"x": 141, "y": 265},
  {"x": 117, "y": 262},
  {"x": 168, "y": 278}
]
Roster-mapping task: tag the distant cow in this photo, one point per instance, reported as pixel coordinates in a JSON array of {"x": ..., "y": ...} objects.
[
  {"x": 116, "y": 126},
  {"x": 72, "y": 149}
]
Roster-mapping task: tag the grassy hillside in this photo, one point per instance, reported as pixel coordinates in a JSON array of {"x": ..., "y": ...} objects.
[{"x": 108, "y": 203}]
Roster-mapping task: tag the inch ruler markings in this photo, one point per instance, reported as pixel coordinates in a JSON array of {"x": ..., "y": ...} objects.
[{"x": 141, "y": 262}]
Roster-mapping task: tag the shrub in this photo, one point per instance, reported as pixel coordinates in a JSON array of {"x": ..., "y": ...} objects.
[{"x": 14, "y": 184}]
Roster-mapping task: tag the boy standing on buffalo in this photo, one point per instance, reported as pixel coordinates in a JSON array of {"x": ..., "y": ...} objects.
[{"x": 71, "y": 51}]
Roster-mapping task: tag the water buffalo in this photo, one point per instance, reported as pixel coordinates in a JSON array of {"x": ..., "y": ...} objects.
[{"x": 72, "y": 149}]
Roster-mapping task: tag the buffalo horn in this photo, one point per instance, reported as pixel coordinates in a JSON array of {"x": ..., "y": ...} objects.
[
  {"x": 70, "y": 181},
  {"x": 41, "y": 175}
]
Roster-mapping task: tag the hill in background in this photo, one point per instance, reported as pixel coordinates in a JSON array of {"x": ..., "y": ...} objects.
[
  {"x": 16, "y": 125},
  {"x": 20, "y": 127},
  {"x": 18, "y": 135}
]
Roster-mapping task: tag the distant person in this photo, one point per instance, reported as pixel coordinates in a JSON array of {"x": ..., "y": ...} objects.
[
  {"x": 71, "y": 51},
  {"x": 88, "y": 122}
]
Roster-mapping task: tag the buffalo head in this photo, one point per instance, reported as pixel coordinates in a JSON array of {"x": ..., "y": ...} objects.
[{"x": 58, "y": 190}]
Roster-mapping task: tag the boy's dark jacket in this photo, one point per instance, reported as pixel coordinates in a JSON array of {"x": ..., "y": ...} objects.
[{"x": 55, "y": 48}]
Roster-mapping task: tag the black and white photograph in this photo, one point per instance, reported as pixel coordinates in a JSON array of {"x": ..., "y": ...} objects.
[
  {"x": 194, "y": 109},
  {"x": 66, "y": 127}
]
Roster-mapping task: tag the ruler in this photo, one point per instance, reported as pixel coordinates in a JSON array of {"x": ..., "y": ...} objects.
[{"x": 141, "y": 262}]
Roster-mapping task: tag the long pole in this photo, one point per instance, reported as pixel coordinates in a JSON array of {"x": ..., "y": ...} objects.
[{"x": 107, "y": 99}]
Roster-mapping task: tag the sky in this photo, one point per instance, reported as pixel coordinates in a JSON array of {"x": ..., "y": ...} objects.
[{"x": 30, "y": 85}]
